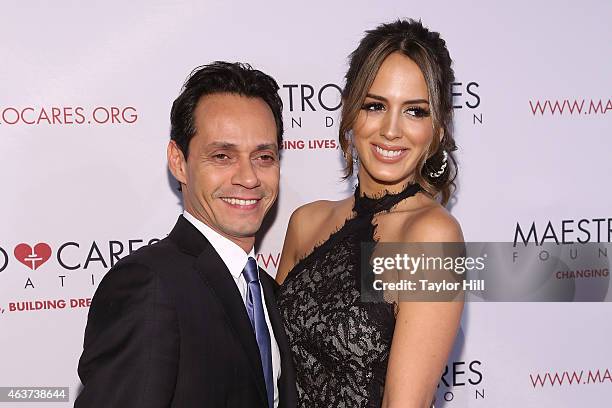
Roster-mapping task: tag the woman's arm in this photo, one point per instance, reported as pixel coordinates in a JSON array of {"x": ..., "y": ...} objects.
[{"x": 424, "y": 331}]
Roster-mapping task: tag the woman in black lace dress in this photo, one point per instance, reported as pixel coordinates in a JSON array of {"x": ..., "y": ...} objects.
[{"x": 396, "y": 131}]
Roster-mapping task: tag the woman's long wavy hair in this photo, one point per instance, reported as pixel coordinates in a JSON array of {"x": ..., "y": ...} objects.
[{"x": 429, "y": 52}]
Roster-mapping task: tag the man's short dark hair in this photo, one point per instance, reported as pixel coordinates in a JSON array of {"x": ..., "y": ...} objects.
[{"x": 221, "y": 77}]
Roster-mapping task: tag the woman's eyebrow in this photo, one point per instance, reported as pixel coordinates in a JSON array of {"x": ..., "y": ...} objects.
[{"x": 409, "y": 101}]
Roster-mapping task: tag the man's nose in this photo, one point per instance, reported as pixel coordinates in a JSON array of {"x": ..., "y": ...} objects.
[{"x": 246, "y": 174}]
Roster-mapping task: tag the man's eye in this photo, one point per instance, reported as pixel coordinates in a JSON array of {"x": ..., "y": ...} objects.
[
  {"x": 267, "y": 158},
  {"x": 373, "y": 106},
  {"x": 417, "y": 112},
  {"x": 220, "y": 156}
]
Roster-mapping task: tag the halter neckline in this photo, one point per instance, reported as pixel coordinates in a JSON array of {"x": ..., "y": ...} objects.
[{"x": 368, "y": 206}]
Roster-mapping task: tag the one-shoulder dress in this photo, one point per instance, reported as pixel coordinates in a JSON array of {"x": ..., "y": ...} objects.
[{"x": 340, "y": 344}]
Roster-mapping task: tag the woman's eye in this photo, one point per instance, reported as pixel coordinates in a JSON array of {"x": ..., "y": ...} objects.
[
  {"x": 417, "y": 112},
  {"x": 373, "y": 106}
]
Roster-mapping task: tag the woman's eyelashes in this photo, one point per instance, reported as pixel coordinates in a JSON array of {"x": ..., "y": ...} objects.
[
  {"x": 373, "y": 106},
  {"x": 415, "y": 111}
]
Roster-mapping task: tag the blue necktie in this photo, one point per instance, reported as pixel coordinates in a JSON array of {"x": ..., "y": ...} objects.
[{"x": 255, "y": 310}]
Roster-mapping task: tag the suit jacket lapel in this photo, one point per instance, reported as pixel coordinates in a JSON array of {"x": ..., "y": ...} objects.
[
  {"x": 273, "y": 313},
  {"x": 217, "y": 277},
  {"x": 286, "y": 388}
]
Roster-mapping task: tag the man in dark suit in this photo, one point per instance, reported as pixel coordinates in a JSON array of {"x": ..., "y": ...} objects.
[{"x": 191, "y": 321}]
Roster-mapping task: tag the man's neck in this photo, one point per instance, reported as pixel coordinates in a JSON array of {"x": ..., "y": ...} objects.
[{"x": 246, "y": 243}]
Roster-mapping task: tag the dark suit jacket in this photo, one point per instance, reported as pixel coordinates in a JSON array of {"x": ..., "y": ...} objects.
[{"x": 167, "y": 327}]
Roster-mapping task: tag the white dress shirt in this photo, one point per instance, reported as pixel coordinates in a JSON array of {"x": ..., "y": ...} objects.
[{"x": 235, "y": 259}]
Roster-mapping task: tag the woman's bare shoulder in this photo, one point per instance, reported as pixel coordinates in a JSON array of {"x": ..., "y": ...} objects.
[
  {"x": 423, "y": 220},
  {"x": 309, "y": 225},
  {"x": 436, "y": 224},
  {"x": 317, "y": 220},
  {"x": 317, "y": 208}
]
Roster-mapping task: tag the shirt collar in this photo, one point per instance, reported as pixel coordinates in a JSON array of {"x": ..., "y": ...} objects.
[{"x": 232, "y": 255}]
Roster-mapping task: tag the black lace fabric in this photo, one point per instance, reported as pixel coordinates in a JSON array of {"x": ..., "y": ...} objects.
[{"x": 340, "y": 344}]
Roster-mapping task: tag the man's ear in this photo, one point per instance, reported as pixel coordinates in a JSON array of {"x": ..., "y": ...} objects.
[{"x": 176, "y": 162}]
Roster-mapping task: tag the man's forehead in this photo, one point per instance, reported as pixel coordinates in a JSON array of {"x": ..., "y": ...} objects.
[
  {"x": 235, "y": 116},
  {"x": 229, "y": 103}
]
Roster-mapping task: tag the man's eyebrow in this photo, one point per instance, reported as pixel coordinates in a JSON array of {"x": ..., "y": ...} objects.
[
  {"x": 267, "y": 146},
  {"x": 221, "y": 145},
  {"x": 383, "y": 99}
]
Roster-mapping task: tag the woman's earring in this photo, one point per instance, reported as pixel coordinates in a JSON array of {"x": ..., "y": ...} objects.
[
  {"x": 355, "y": 158},
  {"x": 349, "y": 137},
  {"x": 442, "y": 168}
]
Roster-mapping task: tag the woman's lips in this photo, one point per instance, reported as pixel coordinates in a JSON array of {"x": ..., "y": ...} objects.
[{"x": 388, "y": 154}]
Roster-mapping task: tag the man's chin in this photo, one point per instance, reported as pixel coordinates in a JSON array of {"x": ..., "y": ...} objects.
[{"x": 242, "y": 233}]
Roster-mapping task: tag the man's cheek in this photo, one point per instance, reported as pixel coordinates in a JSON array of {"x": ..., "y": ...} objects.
[
  {"x": 213, "y": 179},
  {"x": 270, "y": 176}
]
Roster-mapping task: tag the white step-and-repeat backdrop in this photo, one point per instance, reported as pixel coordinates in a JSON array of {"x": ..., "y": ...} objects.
[{"x": 85, "y": 95}]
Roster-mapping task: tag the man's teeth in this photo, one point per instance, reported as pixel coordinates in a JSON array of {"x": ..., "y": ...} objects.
[
  {"x": 237, "y": 201},
  {"x": 388, "y": 153}
]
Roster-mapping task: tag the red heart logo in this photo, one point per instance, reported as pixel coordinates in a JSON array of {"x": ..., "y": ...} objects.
[{"x": 33, "y": 257}]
